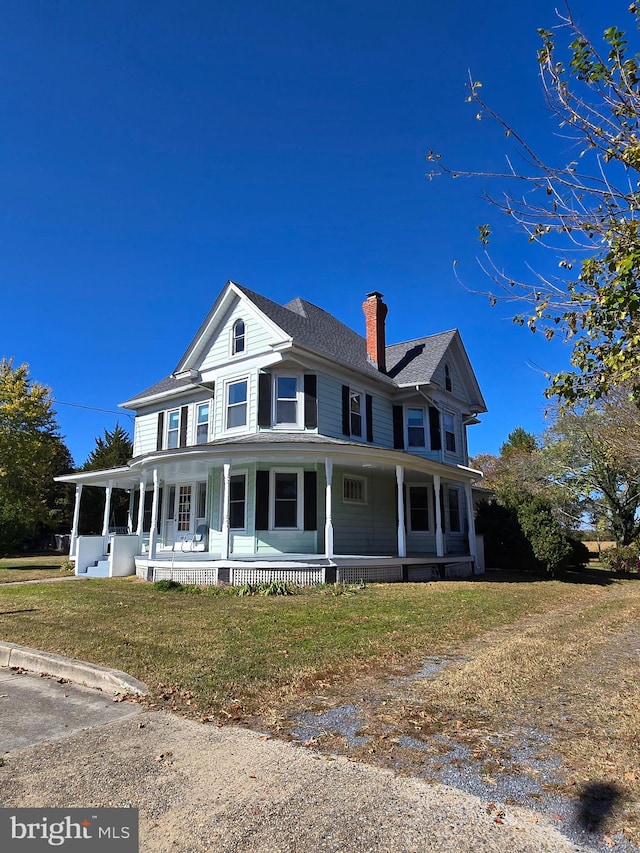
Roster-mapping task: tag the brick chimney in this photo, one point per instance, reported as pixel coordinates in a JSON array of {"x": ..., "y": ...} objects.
[{"x": 375, "y": 312}]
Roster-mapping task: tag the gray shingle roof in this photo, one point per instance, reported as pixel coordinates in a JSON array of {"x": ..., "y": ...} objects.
[
  {"x": 410, "y": 362},
  {"x": 169, "y": 383},
  {"x": 414, "y": 362},
  {"x": 317, "y": 330}
]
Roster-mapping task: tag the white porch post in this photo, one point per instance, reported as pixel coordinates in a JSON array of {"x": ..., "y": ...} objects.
[
  {"x": 153, "y": 533},
  {"x": 130, "y": 511},
  {"x": 402, "y": 537},
  {"x": 226, "y": 509},
  {"x": 439, "y": 533},
  {"x": 76, "y": 519},
  {"x": 328, "y": 527},
  {"x": 107, "y": 508},
  {"x": 470, "y": 520},
  {"x": 140, "y": 527}
]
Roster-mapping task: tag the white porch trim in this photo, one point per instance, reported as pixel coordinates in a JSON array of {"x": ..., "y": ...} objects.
[
  {"x": 439, "y": 531},
  {"x": 402, "y": 533},
  {"x": 328, "y": 527}
]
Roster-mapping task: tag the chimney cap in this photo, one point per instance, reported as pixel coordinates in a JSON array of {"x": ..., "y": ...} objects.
[{"x": 375, "y": 293}]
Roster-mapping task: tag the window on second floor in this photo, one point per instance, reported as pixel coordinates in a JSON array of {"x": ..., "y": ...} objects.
[
  {"x": 236, "y": 404},
  {"x": 202, "y": 423},
  {"x": 355, "y": 412},
  {"x": 238, "y": 337},
  {"x": 449, "y": 432},
  {"x": 286, "y": 401},
  {"x": 416, "y": 428},
  {"x": 173, "y": 429}
]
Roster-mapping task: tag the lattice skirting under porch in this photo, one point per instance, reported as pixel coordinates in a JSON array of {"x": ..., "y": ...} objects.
[
  {"x": 203, "y": 577},
  {"x": 302, "y": 577},
  {"x": 369, "y": 574}
]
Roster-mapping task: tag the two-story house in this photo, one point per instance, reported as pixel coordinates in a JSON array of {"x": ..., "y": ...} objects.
[{"x": 286, "y": 445}]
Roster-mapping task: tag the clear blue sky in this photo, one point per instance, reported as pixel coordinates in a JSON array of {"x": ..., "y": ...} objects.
[{"x": 151, "y": 151}]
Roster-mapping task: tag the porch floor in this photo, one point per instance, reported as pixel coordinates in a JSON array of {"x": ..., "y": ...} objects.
[{"x": 207, "y": 560}]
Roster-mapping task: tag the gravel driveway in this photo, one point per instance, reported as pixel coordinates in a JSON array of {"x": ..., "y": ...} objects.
[{"x": 203, "y": 788}]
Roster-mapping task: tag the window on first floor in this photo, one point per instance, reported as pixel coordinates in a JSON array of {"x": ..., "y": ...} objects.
[
  {"x": 238, "y": 501},
  {"x": 449, "y": 432},
  {"x": 453, "y": 505},
  {"x": 354, "y": 489},
  {"x": 286, "y": 502},
  {"x": 419, "y": 514},
  {"x": 236, "y": 404},
  {"x": 416, "y": 428}
]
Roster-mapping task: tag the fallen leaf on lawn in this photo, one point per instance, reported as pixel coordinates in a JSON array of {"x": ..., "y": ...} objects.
[{"x": 609, "y": 841}]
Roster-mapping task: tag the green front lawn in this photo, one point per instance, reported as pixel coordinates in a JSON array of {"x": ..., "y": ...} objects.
[
  {"x": 30, "y": 568},
  {"x": 210, "y": 653}
]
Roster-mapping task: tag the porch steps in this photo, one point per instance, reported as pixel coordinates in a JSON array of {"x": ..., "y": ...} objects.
[{"x": 99, "y": 569}]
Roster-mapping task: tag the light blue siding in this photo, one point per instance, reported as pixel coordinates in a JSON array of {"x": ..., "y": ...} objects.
[
  {"x": 258, "y": 337},
  {"x": 368, "y": 529}
]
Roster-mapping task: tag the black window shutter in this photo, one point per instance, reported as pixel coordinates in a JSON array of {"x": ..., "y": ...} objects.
[
  {"x": 310, "y": 401},
  {"x": 398, "y": 428},
  {"x": 159, "y": 518},
  {"x": 160, "y": 431},
  {"x": 369, "y": 409},
  {"x": 262, "y": 500},
  {"x": 346, "y": 420},
  {"x": 184, "y": 413},
  {"x": 434, "y": 428},
  {"x": 264, "y": 401},
  {"x": 310, "y": 501}
]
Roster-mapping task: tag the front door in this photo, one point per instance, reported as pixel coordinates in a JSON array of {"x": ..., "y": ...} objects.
[{"x": 183, "y": 512}]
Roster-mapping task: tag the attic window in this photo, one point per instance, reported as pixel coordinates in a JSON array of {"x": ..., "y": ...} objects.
[
  {"x": 447, "y": 378},
  {"x": 237, "y": 337}
]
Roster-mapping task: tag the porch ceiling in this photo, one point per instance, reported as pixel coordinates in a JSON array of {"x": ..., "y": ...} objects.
[{"x": 280, "y": 448}]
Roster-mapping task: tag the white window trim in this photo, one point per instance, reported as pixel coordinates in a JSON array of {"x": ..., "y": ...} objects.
[
  {"x": 425, "y": 421},
  {"x": 232, "y": 339},
  {"x": 363, "y": 413},
  {"x": 167, "y": 430},
  {"x": 454, "y": 416},
  {"x": 354, "y": 501},
  {"x": 243, "y": 427},
  {"x": 430, "y": 518},
  {"x": 272, "y": 498},
  {"x": 299, "y": 401},
  {"x": 195, "y": 419}
]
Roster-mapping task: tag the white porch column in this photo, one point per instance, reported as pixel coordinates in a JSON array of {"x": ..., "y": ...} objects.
[
  {"x": 140, "y": 527},
  {"x": 153, "y": 533},
  {"x": 226, "y": 509},
  {"x": 328, "y": 526},
  {"x": 402, "y": 536},
  {"x": 76, "y": 519},
  {"x": 438, "y": 502},
  {"x": 107, "y": 508},
  {"x": 470, "y": 520},
  {"x": 130, "y": 511}
]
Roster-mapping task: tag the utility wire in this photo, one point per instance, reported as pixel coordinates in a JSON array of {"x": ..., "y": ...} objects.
[{"x": 93, "y": 409}]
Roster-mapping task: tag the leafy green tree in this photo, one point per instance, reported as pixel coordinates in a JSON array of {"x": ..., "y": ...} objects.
[
  {"x": 584, "y": 210},
  {"x": 526, "y": 526},
  {"x": 113, "y": 450},
  {"x": 32, "y": 453},
  {"x": 600, "y": 478}
]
